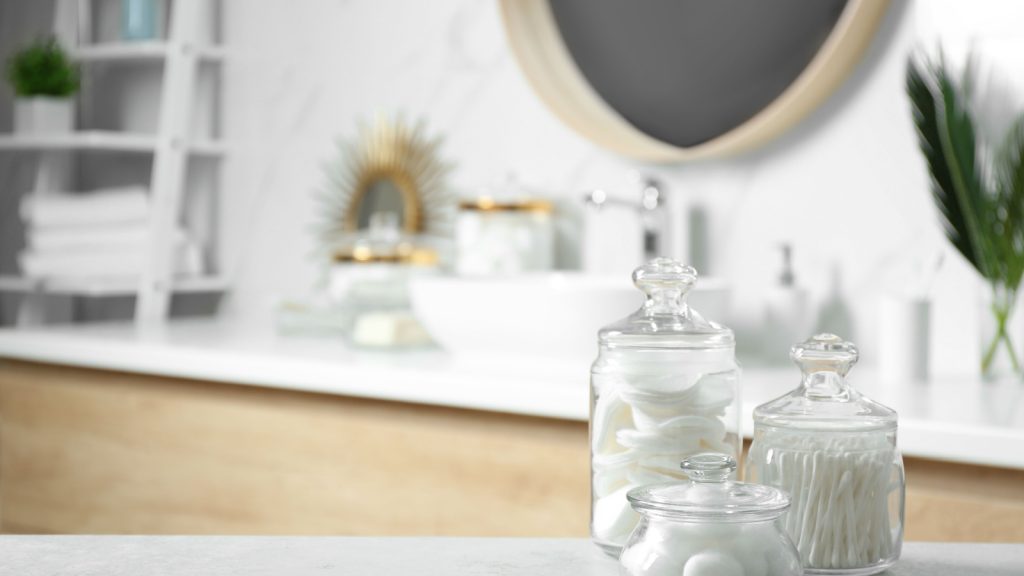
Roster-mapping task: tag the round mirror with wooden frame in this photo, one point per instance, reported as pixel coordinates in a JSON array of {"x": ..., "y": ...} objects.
[{"x": 673, "y": 80}]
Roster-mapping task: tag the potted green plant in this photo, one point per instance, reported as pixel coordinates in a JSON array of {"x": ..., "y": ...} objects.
[
  {"x": 44, "y": 81},
  {"x": 977, "y": 183}
]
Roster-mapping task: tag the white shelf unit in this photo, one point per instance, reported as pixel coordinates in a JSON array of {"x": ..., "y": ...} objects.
[
  {"x": 187, "y": 47},
  {"x": 143, "y": 50},
  {"x": 100, "y": 140},
  {"x": 106, "y": 286}
]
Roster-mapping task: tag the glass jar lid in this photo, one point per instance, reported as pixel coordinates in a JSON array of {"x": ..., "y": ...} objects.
[
  {"x": 383, "y": 243},
  {"x": 508, "y": 196},
  {"x": 491, "y": 204},
  {"x": 825, "y": 400},
  {"x": 665, "y": 320},
  {"x": 710, "y": 496},
  {"x": 402, "y": 253}
]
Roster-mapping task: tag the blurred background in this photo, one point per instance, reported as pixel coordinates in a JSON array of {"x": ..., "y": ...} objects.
[{"x": 339, "y": 266}]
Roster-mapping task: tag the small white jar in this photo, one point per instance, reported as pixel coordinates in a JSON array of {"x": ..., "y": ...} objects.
[{"x": 500, "y": 238}]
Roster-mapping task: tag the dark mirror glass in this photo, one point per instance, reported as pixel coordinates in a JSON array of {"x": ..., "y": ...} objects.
[
  {"x": 382, "y": 196},
  {"x": 688, "y": 71}
]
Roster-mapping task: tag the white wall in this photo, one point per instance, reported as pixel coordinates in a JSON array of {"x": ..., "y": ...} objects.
[{"x": 847, "y": 186}]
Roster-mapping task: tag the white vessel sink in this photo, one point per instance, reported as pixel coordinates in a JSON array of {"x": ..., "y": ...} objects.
[{"x": 555, "y": 314}]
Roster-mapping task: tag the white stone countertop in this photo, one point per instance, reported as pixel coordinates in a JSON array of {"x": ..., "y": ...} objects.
[
  {"x": 957, "y": 420},
  {"x": 308, "y": 556}
]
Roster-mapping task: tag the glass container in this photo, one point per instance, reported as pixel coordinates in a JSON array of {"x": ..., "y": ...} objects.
[
  {"x": 834, "y": 450},
  {"x": 709, "y": 526},
  {"x": 1000, "y": 356},
  {"x": 369, "y": 281},
  {"x": 140, "y": 19},
  {"x": 665, "y": 386},
  {"x": 504, "y": 234}
]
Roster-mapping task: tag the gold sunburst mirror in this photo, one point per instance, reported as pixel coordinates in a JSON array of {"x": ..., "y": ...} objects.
[{"x": 390, "y": 169}]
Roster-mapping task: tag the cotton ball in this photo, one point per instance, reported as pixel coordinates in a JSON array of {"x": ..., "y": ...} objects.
[
  {"x": 781, "y": 559},
  {"x": 645, "y": 559},
  {"x": 710, "y": 535},
  {"x": 754, "y": 564},
  {"x": 713, "y": 563},
  {"x": 681, "y": 550},
  {"x": 765, "y": 550},
  {"x": 750, "y": 548}
]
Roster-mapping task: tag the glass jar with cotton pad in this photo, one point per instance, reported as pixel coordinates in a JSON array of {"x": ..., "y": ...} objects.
[
  {"x": 834, "y": 451},
  {"x": 665, "y": 386},
  {"x": 504, "y": 232},
  {"x": 369, "y": 284},
  {"x": 709, "y": 526}
]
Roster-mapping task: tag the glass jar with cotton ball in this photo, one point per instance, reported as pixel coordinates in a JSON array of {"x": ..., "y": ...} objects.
[
  {"x": 665, "y": 386},
  {"x": 709, "y": 526},
  {"x": 834, "y": 450}
]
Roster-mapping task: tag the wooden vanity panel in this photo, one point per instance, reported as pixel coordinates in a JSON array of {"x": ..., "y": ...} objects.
[
  {"x": 960, "y": 502},
  {"x": 89, "y": 451}
]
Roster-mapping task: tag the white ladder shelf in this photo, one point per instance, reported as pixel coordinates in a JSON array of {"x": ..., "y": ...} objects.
[{"x": 188, "y": 45}]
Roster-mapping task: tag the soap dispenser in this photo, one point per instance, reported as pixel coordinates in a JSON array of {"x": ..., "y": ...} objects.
[{"x": 786, "y": 315}]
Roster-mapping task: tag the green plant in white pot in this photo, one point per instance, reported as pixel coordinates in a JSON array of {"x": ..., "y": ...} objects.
[
  {"x": 44, "y": 81},
  {"x": 977, "y": 182}
]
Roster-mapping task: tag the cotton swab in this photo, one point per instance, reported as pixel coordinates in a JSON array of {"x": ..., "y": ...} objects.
[{"x": 840, "y": 489}]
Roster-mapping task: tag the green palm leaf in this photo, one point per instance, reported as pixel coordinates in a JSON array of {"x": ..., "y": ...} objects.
[
  {"x": 980, "y": 196},
  {"x": 1009, "y": 224},
  {"x": 946, "y": 137}
]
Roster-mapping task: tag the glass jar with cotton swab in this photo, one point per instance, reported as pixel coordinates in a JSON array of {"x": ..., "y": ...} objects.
[{"x": 834, "y": 451}]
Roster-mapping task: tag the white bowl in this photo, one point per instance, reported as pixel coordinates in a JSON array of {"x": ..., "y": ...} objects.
[{"x": 554, "y": 315}]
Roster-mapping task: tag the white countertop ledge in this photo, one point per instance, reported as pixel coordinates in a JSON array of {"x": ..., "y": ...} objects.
[
  {"x": 958, "y": 420},
  {"x": 310, "y": 556}
]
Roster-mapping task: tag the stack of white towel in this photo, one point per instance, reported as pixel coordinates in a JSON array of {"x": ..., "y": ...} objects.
[{"x": 97, "y": 234}]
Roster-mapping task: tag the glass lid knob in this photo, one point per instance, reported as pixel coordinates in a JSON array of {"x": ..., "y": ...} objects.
[
  {"x": 824, "y": 353},
  {"x": 824, "y": 360},
  {"x": 709, "y": 467},
  {"x": 665, "y": 282}
]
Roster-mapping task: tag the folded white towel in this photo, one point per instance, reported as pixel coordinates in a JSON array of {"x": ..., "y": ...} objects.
[
  {"x": 121, "y": 263},
  {"x": 93, "y": 238},
  {"x": 98, "y": 207}
]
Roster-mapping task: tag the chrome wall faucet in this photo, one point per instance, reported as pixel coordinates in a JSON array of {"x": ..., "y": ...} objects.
[{"x": 651, "y": 209}]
